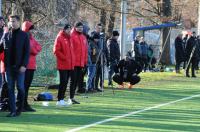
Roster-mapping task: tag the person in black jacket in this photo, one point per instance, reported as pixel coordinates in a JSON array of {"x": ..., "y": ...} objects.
[
  {"x": 103, "y": 54},
  {"x": 113, "y": 54},
  {"x": 136, "y": 48},
  {"x": 93, "y": 52},
  {"x": 179, "y": 52},
  {"x": 16, "y": 47},
  {"x": 185, "y": 38},
  {"x": 192, "y": 54},
  {"x": 198, "y": 52},
  {"x": 127, "y": 70},
  {"x": 144, "y": 53}
]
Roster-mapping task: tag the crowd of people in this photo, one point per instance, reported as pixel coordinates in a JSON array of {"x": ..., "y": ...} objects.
[
  {"x": 187, "y": 51},
  {"x": 76, "y": 52}
]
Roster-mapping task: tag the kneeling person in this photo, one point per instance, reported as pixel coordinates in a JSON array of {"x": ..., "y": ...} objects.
[{"x": 127, "y": 70}]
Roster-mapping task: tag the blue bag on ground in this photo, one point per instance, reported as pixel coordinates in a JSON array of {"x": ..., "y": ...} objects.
[{"x": 44, "y": 96}]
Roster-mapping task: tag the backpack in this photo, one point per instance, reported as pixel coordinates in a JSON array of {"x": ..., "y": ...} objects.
[{"x": 44, "y": 96}]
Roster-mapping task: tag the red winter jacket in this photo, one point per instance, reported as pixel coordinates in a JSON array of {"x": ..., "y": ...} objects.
[
  {"x": 63, "y": 50},
  {"x": 35, "y": 47},
  {"x": 79, "y": 43},
  {"x": 2, "y": 65}
]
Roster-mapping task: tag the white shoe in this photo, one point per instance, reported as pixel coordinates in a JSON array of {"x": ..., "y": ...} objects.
[
  {"x": 61, "y": 103},
  {"x": 69, "y": 102}
]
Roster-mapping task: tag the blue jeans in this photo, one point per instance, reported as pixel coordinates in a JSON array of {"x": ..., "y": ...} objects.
[
  {"x": 13, "y": 75},
  {"x": 91, "y": 75}
]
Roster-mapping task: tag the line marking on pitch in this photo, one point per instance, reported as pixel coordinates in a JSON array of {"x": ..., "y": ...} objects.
[{"x": 131, "y": 113}]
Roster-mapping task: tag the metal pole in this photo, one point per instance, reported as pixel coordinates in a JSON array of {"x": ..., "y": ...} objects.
[
  {"x": 123, "y": 27},
  {"x": 198, "y": 29},
  {"x": 0, "y": 7}
]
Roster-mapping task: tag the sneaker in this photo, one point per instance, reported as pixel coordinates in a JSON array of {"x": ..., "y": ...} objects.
[
  {"x": 81, "y": 91},
  {"x": 110, "y": 83},
  {"x": 121, "y": 86},
  {"x": 74, "y": 101},
  {"x": 130, "y": 86},
  {"x": 61, "y": 103},
  {"x": 99, "y": 90},
  {"x": 28, "y": 108},
  {"x": 90, "y": 90},
  {"x": 194, "y": 76},
  {"x": 69, "y": 102}
]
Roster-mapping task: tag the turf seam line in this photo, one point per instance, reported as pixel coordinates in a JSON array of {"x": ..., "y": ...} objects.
[{"x": 131, "y": 113}]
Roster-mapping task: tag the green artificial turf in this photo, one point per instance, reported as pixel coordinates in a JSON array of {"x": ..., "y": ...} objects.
[{"x": 154, "y": 89}]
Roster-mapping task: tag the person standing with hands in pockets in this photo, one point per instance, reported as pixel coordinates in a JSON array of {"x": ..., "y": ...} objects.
[{"x": 16, "y": 47}]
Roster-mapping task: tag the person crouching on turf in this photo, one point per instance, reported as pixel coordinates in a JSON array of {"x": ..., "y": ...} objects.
[
  {"x": 93, "y": 56},
  {"x": 127, "y": 70}
]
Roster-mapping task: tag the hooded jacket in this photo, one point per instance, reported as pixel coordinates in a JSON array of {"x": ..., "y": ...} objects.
[
  {"x": 35, "y": 47},
  {"x": 64, "y": 52},
  {"x": 80, "y": 46}
]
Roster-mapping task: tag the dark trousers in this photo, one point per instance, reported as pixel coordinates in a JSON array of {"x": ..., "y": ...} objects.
[
  {"x": 192, "y": 62},
  {"x": 81, "y": 84},
  {"x": 98, "y": 76},
  {"x": 145, "y": 63},
  {"x": 177, "y": 66},
  {"x": 4, "y": 88},
  {"x": 27, "y": 83},
  {"x": 79, "y": 78},
  {"x": 111, "y": 71},
  {"x": 134, "y": 79},
  {"x": 13, "y": 75},
  {"x": 64, "y": 78}
]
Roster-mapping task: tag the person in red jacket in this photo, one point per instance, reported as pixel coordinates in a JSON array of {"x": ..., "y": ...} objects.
[
  {"x": 63, "y": 50},
  {"x": 79, "y": 41},
  {"x": 35, "y": 48}
]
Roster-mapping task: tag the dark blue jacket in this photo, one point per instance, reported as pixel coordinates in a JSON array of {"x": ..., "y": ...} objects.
[{"x": 22, "y": 51}]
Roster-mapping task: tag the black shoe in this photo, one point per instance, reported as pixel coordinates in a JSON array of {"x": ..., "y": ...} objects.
[
  {"x": 75, "y": 102},
  {"x": 81, "y": 91},
  {"x": 194, "y": 76},
  {"x": 110, "y": 83},
  {"x": 12, "y": 114},
  {"x": 29, "y": 109},
  {"x": 90, "y": 91},
  {"x": 99, "y": 90},
  {"x": 187, "y": 75},
  {"x": 18, "y": 113}
]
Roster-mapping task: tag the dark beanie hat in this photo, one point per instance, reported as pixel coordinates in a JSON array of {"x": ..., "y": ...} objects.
[
  {"x": 1, "y": 18},
  {"x": 115, "y": 33},
  {"x": 77, "y": 24},
  {"x": 95, "y": 36},
  {"x": 67, "y": 26}
]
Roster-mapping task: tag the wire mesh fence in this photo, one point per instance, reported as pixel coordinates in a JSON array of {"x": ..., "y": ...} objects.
[{"x": 46, "y": 73}]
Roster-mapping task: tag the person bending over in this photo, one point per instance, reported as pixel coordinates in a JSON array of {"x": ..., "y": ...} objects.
[{"x": 127, "y": 70}]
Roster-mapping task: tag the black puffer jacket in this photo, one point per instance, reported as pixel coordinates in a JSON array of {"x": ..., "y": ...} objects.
[
  {"x": 191, "y": 44},
  {"x": 179, "y": 50},
  {"x": 113, "y": 50},
  {"x": 130, "y": 65}
]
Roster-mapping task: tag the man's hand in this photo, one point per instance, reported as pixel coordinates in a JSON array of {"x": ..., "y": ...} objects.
[{"x": 22, "y": 69}]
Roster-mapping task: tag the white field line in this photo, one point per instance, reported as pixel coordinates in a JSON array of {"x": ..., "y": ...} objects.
[{"x": 131, "y": 113}]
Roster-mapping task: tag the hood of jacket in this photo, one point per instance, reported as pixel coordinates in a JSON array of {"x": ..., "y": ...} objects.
[{"x": 26, "y": 26}]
